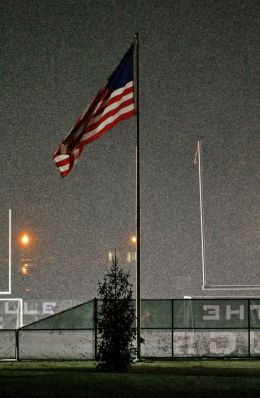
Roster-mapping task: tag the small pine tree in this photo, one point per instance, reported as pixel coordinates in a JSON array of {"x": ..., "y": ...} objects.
[{"x": 115, "y": 321}]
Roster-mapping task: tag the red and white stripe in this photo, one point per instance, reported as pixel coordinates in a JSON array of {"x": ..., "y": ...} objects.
[{"x": 109, "y": 110}]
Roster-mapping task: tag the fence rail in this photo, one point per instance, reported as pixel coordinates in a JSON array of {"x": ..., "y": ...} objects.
[{"x": 175, "y": 328}]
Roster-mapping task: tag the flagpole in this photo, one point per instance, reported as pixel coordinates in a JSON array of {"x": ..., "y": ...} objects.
[
  {"x": 202, "y": 226},
  {"x": 138, "y": 223}
]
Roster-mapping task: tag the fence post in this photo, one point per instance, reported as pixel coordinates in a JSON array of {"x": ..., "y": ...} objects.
[
  {"x": 249, "y": 327},
  {"x": 172, "y": 331},
  {"x": 17, "y": 344},
  {"x": 95, "y": 325}
]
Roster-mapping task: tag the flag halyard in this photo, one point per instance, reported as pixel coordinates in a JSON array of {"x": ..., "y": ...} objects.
[{"x": 113, "y": 103}]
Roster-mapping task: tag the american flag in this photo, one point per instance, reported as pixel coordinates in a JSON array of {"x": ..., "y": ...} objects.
[
  {"x": 113, "y": 103},
  {"x": 195, "y": 161}
]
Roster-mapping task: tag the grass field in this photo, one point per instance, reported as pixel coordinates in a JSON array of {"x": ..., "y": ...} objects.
[{"x": 240, "y": 379}]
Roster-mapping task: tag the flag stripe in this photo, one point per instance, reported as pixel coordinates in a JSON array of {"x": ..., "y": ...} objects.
[
  {"x": 62, "y": 162},
  {"x": 112, "y": 104},
  {"x": 61, "y": 158},
  {"x": 108, "y": 127},
  {"x": 109, "y": 121},
  {"x": 64, "y": 168},
  {"x": 119, "y": 91},
  {"x": 110, "y": 111}
]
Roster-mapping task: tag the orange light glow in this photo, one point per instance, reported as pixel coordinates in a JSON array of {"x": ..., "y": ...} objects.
[
  {"x": 133, "y": 239},
  {"x": 24, "y": 269},
  {"x": 25, "y": 239}
]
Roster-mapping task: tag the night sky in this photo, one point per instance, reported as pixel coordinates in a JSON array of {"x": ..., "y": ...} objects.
[{"x": 199, "y": 79}]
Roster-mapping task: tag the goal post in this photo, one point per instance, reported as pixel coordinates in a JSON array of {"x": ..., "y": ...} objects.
[
  {"x": 9, "y": 291},
  {"x": 205, "y": 285},
  {"x": 11, "y": 313}
]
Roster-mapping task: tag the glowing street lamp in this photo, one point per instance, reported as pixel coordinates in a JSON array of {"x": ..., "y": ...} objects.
[
  {"x": 25, "y": 239},
  {"x": 133, "y": 239},
  {"x": 131, "y": 255}
]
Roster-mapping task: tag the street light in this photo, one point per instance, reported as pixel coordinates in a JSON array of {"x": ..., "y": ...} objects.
[
  {"x": 131, "y": 255},
  {"x": 133, "y": 239},
  {"x": 25, "y": 239}
]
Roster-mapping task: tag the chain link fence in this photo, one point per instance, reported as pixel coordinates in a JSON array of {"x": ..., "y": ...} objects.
[
  {"x": 177, "y": 328},
  {"x": 8, "y": 344}
]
